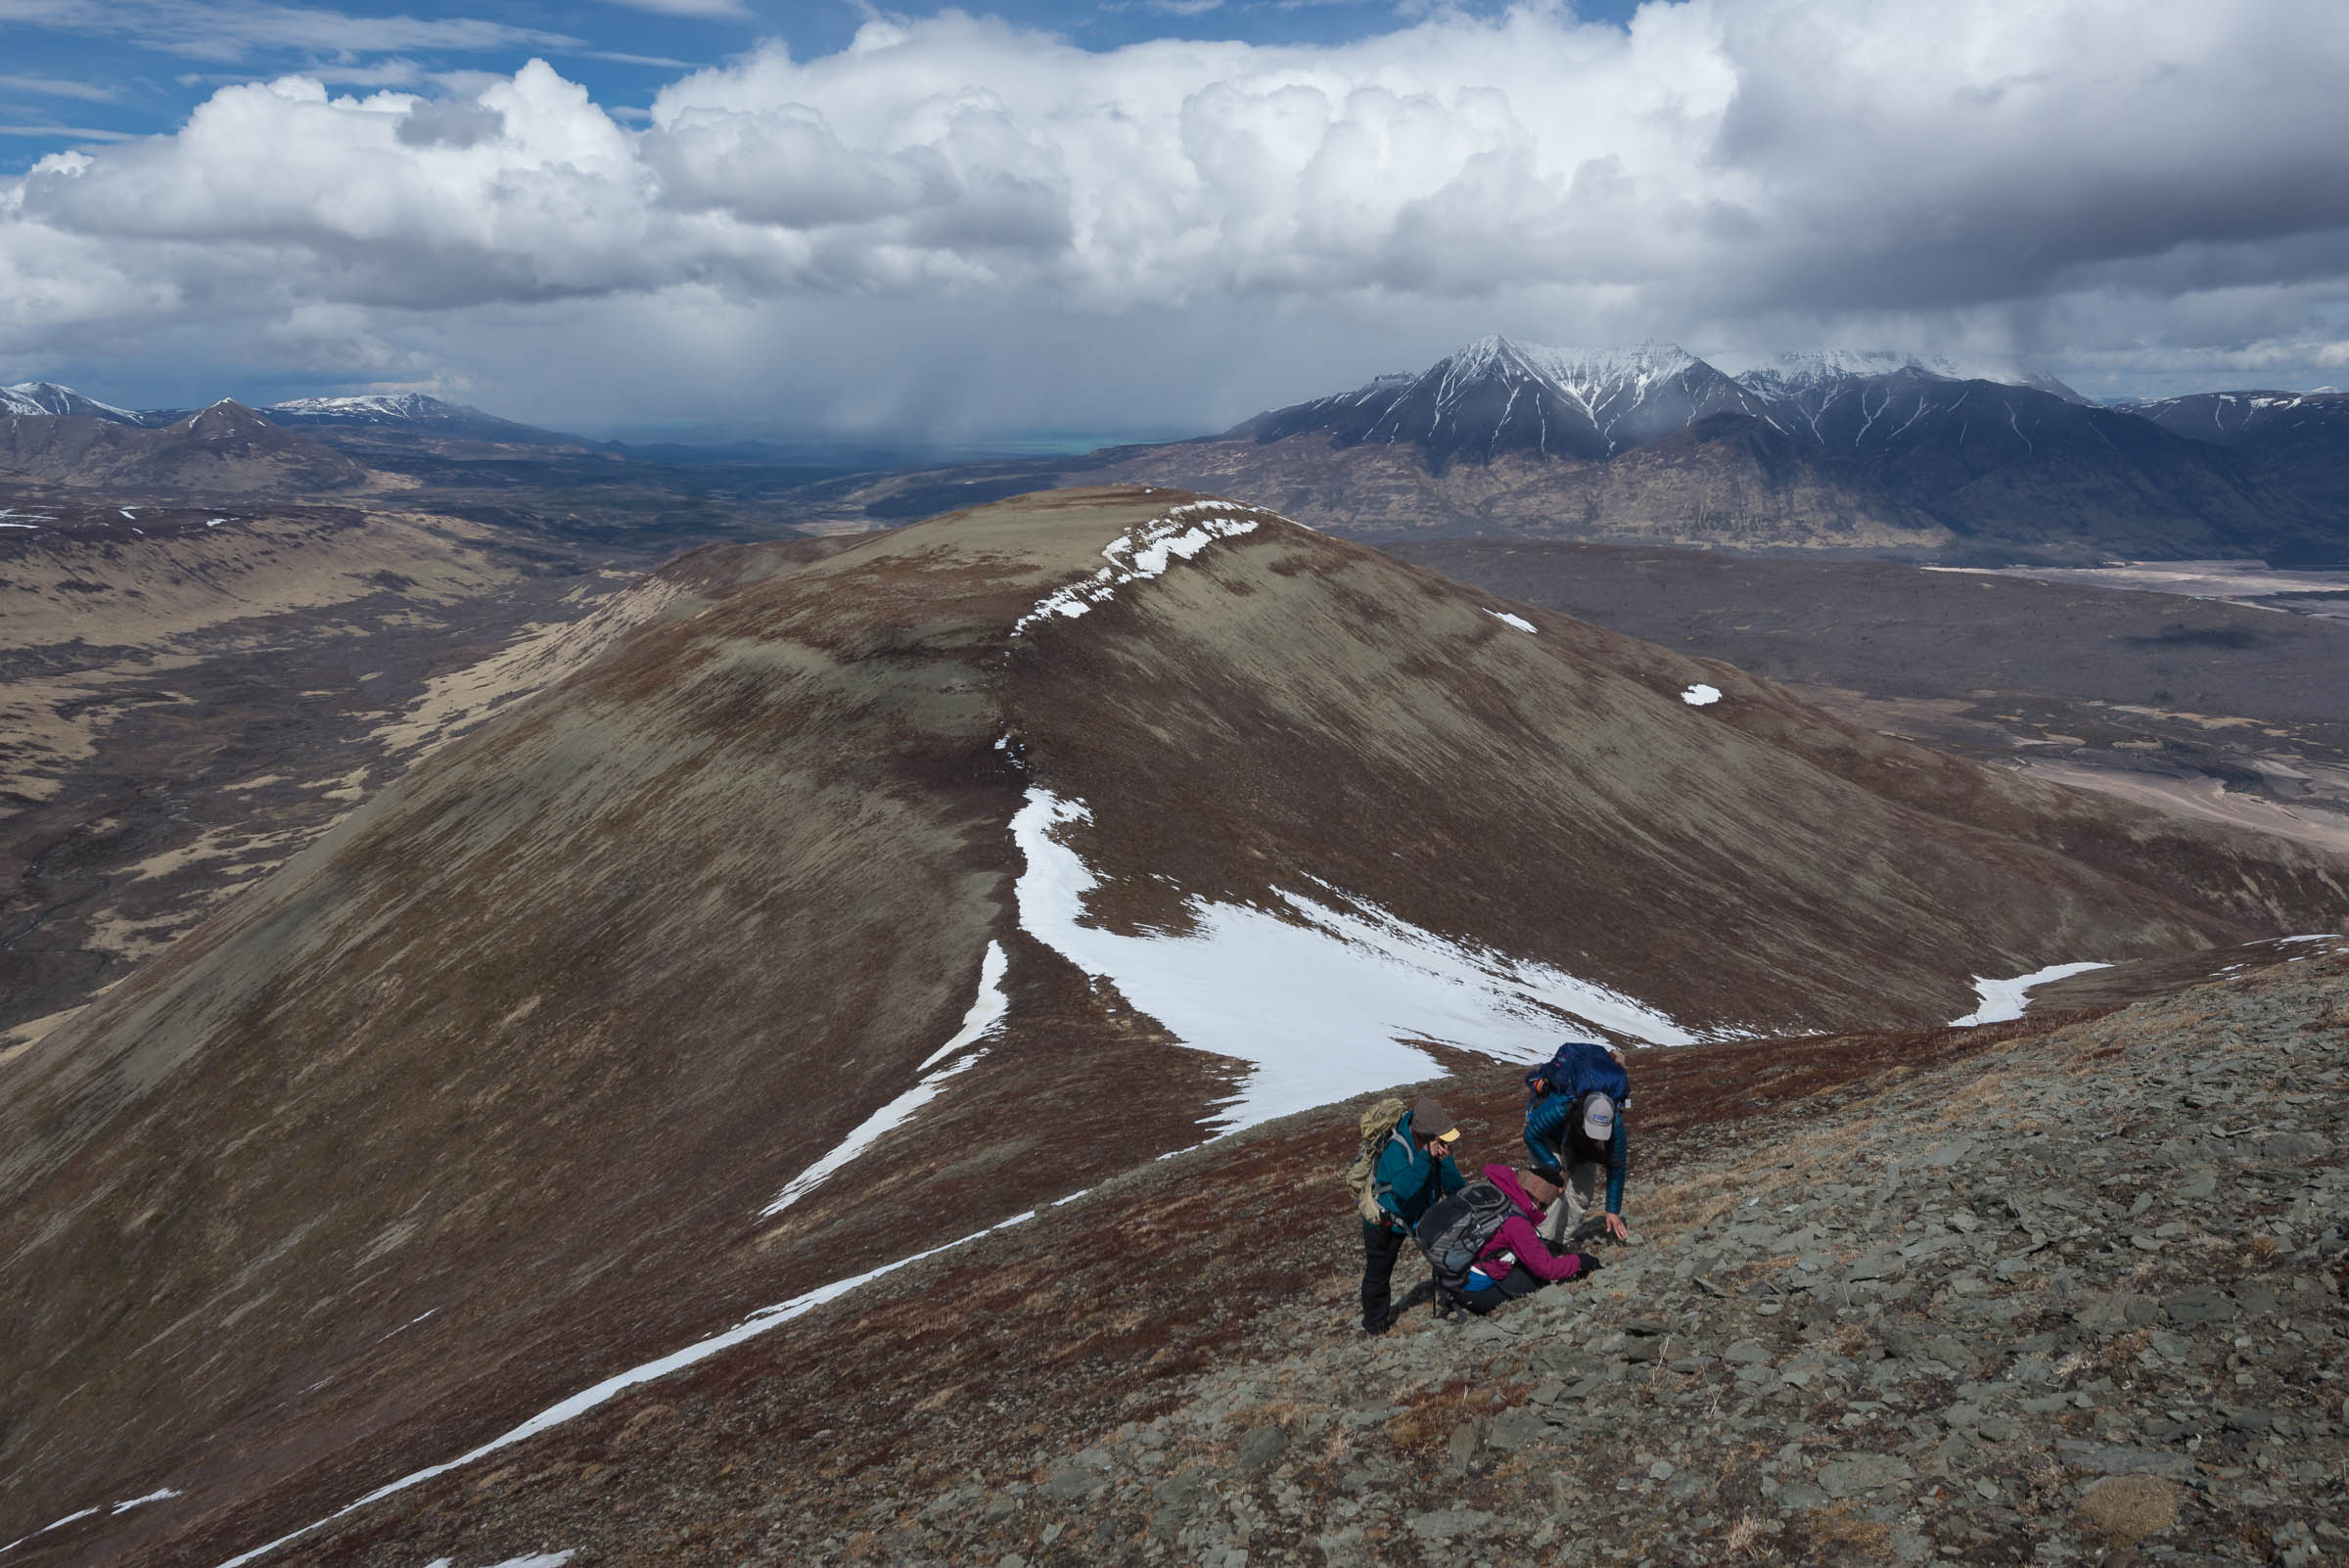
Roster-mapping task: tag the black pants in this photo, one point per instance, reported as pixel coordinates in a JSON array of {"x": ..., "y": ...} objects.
[
  {"x": 1520, "y": 1281},
  {"x": 1381, "y": 1246}
]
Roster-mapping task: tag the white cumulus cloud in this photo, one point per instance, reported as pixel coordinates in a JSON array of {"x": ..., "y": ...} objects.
[{"x": 2090, "y": 171}]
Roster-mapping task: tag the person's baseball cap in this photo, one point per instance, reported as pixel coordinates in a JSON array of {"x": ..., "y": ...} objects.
[
  {"x": 1598, "y": 1119},
  {"x": 1428, "y": 1116}
]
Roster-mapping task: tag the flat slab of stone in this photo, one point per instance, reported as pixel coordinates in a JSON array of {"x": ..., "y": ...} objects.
[
  {"x": 1448, "y": 1524},
  {"x": 1863, "y": 1472},
  {"x": 2202, "y": 1304},
  {"x": 2118, "y": 1459}
]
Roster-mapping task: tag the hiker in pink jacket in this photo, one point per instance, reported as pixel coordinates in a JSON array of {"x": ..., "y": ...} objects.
[{"x": 1515, "y": 1261}]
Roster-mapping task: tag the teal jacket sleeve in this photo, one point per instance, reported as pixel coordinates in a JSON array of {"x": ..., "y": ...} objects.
[
  {"x": 1449, "y": 1176},
  {"x": 1545, "y": 1128},
  {"x": 1618, "y": 1160}
]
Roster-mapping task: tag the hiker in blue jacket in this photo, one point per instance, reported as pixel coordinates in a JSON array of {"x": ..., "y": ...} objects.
[
  {"x": 1572, "y": 1138},
  {"x": 1415, "y": 1168}
]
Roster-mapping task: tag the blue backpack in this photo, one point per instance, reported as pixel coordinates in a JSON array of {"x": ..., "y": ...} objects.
[{"x": 1581, "y": 1067}]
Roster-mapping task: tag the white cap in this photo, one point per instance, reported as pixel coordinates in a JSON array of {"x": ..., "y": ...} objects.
[{"x": 1598, "y": 1119}]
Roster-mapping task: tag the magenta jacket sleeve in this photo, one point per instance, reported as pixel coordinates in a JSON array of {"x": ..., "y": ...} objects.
[{"x": 1518, "y": 1235}]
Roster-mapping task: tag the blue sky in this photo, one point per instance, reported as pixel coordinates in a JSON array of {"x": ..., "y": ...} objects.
[
  {"x": 822, "y": 218},
  {"x": 76, "y": 69}
]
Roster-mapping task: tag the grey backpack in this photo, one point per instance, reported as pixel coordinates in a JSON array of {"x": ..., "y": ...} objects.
[{"x": 1454, "y": 1232}]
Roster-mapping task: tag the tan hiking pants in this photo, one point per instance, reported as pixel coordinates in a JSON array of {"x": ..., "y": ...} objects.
[{"x": 1585, "y": 1189}]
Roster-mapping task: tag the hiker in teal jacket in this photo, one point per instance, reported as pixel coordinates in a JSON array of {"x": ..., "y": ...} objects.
[
  {"x": 1415, "y": 1168},
  {"x": 1572, "y": 1140}
]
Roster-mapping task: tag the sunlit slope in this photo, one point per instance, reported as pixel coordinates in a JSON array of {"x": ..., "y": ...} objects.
[{"x": 866, "y": 869}]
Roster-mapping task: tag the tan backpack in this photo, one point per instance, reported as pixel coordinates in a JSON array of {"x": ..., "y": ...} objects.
[{"x": 1378, "y": 1126}]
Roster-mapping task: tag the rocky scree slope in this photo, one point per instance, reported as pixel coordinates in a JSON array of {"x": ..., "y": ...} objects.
[
  {"x": 2061, "y": 1291},
  {"x": 535, "y": 1065}
]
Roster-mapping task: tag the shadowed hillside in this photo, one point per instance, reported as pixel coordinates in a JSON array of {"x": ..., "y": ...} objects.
[{"x": 224, "y": 449}]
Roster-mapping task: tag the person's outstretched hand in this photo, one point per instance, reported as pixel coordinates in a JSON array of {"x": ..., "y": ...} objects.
[{"x": 1617, "y": 1228}]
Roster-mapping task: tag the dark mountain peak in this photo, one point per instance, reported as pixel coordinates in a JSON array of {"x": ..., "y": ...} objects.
[
  {"x": 223, "y": 418},
  {"x": 221, "y": 449},
  {"x": 1497, "y": 396}
]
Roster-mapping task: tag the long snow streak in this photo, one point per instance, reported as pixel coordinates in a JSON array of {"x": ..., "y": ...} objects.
[
  {"x": 984, "y": 1019},
  {"x": 579, "y": 1404},
  {"x": 1321, "y": 1005},
  {"x": 1142, "y": 551},
  {"x": 2004, "y": 1000}
]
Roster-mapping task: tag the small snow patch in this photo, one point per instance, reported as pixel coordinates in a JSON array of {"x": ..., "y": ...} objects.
[
  {"x": 152, "y": 1496},
  {"x": 1521, "y": 624},
  {"x": 1142, "y": 552},
  {"x": 2004, "y": 1000},
  {"x": 757, "y": 1323},
  {"x": 58, "y": 1524},
  {"x": 1701, "y": 696},
  {"x": 985, "y": 1017}
]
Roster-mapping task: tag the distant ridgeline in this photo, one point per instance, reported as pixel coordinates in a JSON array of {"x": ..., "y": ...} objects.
[
  {"x": 378, "y": 414},
  {"x": 1867, "y": 453}
]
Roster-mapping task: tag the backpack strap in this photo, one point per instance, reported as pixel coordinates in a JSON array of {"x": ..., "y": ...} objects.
[{"x": 1380, "y": 1188}]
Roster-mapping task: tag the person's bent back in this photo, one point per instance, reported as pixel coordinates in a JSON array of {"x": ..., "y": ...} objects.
[{"x": 1516, "y": 1262}]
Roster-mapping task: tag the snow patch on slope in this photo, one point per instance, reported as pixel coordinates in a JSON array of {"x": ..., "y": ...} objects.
[
  {"x": 1701, "y": 695},
  {"x": 1142, "y": 552},
  {"x": 1322, "y": 1004},
  {"x": 1519, "y": 622},
  {"x": 985, "y": 1017},
  {"x": 579, "y": 1404},
  {"x": 2004, "y": 1000}
]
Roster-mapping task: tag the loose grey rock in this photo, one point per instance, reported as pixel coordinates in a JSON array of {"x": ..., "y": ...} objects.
[
  {"x": 2115, "y": 1459},
  {"x": 1517, "y": 1428},
  {"x": 1259, "y": 1448},
  {"x": 1466, "y": 1438},
  {"x": 2202, "y": 1304},
  {"x": 1449, "y": 1524},
  {"x": 1863, "y": 1472}
]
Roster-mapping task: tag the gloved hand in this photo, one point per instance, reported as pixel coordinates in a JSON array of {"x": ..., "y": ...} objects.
[{"x": 1584, "y": 1263}]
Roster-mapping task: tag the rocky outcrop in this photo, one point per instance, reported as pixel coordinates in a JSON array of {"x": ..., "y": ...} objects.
[{"x": 2075, "y": 1292}]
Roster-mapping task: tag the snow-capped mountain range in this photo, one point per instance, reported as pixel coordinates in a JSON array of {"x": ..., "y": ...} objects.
[
  {"x": 411, "y": 413},
  {"x": 1497, "y": 396},
  {"x": 2235, "y": 417},
  {"x": 387, "y": 413}
]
